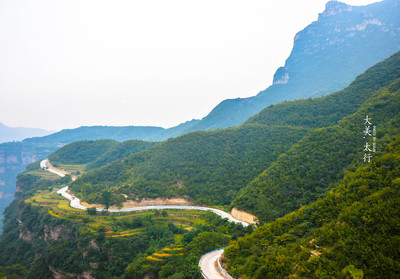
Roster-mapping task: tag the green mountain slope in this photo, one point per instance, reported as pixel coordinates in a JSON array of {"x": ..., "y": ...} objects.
[
  {"x": 207, "y": 167},
  {"x": 97, "y": 153},
  {"x": 211, "y": 167},
  {"x": 350, "y": 233},
  {"x": 318, "y": 161},
  {"x": 45, "y": 238},
  {"x": 81, "y": 152},
  {"x": 121, "y": 150},
  {"x": 15, "y": 156},
  {"x": 343, "y": 213}
]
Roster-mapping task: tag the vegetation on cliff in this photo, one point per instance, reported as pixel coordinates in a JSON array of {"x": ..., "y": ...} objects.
[
  {"x": 318, "y": 161},
  {"x": 353, "y": 230}
]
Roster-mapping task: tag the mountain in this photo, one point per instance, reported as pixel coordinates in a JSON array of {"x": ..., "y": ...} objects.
[
  {"x": 352, "y": 232},
  {"x": 123, "y": 133},
  {"x": 16, "y": 156},
  {"x": 326, "y": 56},
  {"x": 96, "y": 153},
  {"x": 342, "y": 210},
  {"x": 212, "y": 166},
  {"x": 19, "y": 133},
  {"x": 208, "y": 167}
]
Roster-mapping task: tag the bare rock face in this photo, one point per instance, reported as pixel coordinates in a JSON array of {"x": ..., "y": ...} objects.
[
  {"x": 55, "y": 233},
  {"x": 333, "y": 8},
  {"x": 326, "y": 57},
  {"x": 93, "y": 244},
  {"x": 14, "y": 158},
  {"x": 24, "y": 233},
  {"x": 57, "y": 274},
  {"x": 281, "y": 76},
  {"x": 26, "y": 236}
]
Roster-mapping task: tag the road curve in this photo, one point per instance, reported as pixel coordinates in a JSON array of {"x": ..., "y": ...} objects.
[
  {"x": 45, "y": 164},
  {"x": 207, "y": 262},
  {"x": 76, "y": 203}
]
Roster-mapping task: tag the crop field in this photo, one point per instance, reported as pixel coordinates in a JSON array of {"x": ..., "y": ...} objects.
[{"x": 113, "y": 224}]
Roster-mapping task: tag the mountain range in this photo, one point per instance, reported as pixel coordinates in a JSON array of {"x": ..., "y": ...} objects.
[
  {"x": 8, "y": 134},
  {"x": 297, "y": 165},
  {"x": 323, "y": 208},
  {"x": 326, "y": 56}
]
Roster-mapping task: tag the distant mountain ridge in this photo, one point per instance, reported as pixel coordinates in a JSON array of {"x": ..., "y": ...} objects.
[
  {"x": 15, "y": 156},
  {"x": 19, "y": 133},
  {"x": 118, "y": 133},
  {"x": 326, "y": 56}
]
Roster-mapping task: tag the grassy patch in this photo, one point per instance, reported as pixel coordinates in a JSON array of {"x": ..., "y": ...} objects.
[
  {"x": 73, "y": 169},
  {"x": 353, "y": 272},
  {"x": 151, "y": 258},
  {"x": 43, "y": 174}
]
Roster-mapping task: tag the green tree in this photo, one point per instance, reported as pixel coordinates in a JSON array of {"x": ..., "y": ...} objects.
[
  {"x": 106, "y": 198},
  {"x": 91, "y": 210}
]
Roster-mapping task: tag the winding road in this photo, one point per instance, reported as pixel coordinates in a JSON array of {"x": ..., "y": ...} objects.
[{"x": 208, "y": 262}]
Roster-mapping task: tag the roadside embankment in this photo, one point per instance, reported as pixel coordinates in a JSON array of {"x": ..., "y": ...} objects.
[{"x": 243, "y": 216}]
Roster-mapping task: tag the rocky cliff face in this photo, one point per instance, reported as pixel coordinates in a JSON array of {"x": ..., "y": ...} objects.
[
  {"x": 14, "y": 157},
  {"x": 326, "y": 56},
  {"x": 329, "y": 53}
]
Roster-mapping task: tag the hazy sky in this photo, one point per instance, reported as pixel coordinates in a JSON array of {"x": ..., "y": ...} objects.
[{"x": 69, "y": 63}]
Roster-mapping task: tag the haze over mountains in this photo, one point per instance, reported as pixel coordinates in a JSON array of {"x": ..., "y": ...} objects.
[
  {"x": 19, "y": 133},
  {"x": 340, "y": 211},
  {"x": 327, "y": 55},
  {"x": 324, "y": 210}
]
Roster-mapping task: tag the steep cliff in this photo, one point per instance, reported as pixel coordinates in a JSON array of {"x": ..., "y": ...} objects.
[
  {"x": 14, "y": 157},
  {"x": 326, "y": 56}
]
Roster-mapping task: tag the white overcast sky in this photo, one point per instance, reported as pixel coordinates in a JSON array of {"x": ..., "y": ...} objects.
[{"x": 69, "y": 63}]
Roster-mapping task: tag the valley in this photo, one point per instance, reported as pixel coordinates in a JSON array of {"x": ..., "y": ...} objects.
[{"x": 300, "y": 181}]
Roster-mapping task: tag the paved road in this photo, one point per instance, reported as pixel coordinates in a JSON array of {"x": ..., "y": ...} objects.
[
  {"x": 76, "y": 203},
  {"x": 207, "y": 265},
  {"x": 207, "y": 262},
  {"x": 45, "y": 164}
]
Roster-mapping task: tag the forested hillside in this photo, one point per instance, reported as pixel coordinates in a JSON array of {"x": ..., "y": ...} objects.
[
  {"x": 342, "y": 214},
  {"x": 45, "y": 238},
  {"x": 211, "y": 167},
  {"x": 351, "y": 233},
  {"x": 207, "y": 167},
  {"x": 319, "y": 160},
  {"x": 97, "y": 152}
]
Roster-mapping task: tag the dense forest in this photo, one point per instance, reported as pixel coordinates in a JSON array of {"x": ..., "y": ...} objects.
[
  {"x": 209, "y": 167},
  {"x": 43, "y": 236},
  {"x": 350, "y": 233},
  {"x": 318, "y": 161},
  {"x": 96, "y": 153}
]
